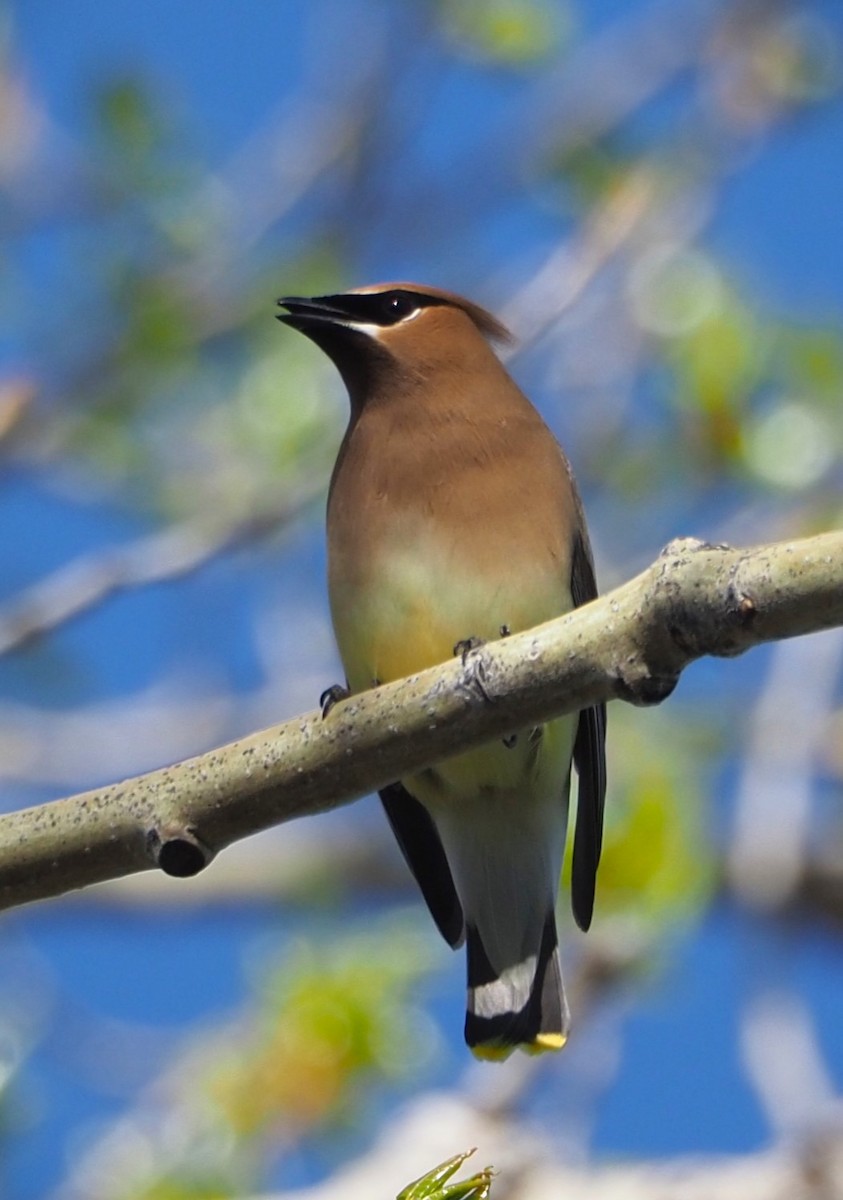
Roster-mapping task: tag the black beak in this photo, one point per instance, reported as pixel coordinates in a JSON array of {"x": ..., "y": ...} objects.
[{"x": 305, "y": 313}]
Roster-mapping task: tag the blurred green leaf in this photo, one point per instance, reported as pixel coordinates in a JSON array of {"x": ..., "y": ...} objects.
[
  {"x": 590, "y": 170},
  {"x": 330, "y": 1023},
  {"x": 810, "y": 361},
  {"x": 333, "y": 1016},
  {"x": 508, "y": 32},
  {"x": 129, "y": 116}
]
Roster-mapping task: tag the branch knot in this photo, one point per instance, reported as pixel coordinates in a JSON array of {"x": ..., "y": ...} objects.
[{"x": 178, "y": 851}]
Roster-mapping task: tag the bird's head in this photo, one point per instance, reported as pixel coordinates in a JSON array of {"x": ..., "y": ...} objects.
[{"x": 383, "y": 333}]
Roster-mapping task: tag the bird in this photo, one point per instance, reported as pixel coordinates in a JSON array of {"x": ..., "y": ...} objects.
[{"x": 453, "y": 519}]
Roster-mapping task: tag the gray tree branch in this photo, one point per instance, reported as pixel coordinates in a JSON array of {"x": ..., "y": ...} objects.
[{"x": 632, "y": 644}]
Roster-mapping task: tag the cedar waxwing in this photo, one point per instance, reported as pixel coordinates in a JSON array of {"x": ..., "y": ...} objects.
[{"x": 453, "y": 516}]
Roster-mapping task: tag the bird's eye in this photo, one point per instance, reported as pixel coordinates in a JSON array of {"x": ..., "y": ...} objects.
[{"x": 398, "y": 305}]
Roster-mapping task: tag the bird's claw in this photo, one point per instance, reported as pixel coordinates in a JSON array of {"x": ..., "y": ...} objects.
[
  {"x": 475, "y": 670},
  {"x": 331, "y": 696},
  {"x": 464, "y": 647}
]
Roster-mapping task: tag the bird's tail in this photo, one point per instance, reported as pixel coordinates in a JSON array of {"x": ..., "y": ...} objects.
[
  {"x": 504, "y": 848},
  {"x": 523, "y": 1005}
]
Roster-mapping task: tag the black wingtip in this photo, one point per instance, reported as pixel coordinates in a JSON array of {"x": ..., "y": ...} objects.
[
  {"x": 582, "y": 898},
  {"x": 421, "y": 846},
  {"x": 589, "y": 758}
]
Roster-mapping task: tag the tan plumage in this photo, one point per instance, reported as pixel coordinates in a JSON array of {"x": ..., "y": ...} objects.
[{"x": 453, "y": 514}]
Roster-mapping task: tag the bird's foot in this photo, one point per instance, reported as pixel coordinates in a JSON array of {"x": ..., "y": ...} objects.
[
  {"x": 464, "y": 647},
  {"x": 474, "y": 668},
  {"x": 332, "y": 696}
]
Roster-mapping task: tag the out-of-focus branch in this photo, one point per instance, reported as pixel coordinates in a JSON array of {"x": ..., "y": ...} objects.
[
  {"x": 659, "y": 198},
  {"x": 573, "y": 265},
  {"x": 632, "y": 644},
  {"x": 157, "y": 558},
  {"x": 784, "y": 1062},
  {"x": 768, "y": 860}
]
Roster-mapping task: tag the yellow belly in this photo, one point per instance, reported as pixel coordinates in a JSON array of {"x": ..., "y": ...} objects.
[
  {"x": 408, "y": 617},
  {"x": 409, "y": 612}
]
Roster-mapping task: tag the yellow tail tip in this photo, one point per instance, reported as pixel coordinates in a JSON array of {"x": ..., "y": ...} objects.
[
  {"x": 496, "y": 1052},
  {"x": 547, "y": 1041}
]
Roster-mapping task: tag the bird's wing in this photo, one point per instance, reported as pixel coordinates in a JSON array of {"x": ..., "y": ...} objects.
[
  {"x": 590, "y": 761},
  {"x": 421, "y": 846}
]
